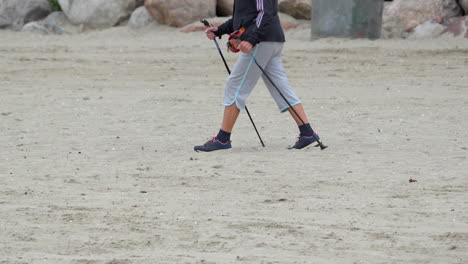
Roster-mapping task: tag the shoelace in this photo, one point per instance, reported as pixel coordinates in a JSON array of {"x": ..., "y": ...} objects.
[
  {"x": 209, "y": 142},
  {"x": 299, "y": 138}
]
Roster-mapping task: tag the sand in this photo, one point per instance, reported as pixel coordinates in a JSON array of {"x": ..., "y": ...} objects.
[{"x": 97, "y": 163}]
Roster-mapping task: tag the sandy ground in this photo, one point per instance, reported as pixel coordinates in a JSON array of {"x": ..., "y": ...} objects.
[{"x": 97, "y": 166}]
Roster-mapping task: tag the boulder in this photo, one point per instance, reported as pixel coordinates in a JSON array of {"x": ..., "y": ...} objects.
[
  {"x": 180, "y": 13},
  {"x": 404, "y": 15},
  {"x": 97, "y": 13},
  {"x": 394, "y": 28},
  {"x": 287, "y": 22},
  {"x": 224, "y": 7},
  {"x": 55, "y": 23},
  {"x": 428, "y": 29},
  {"x": 58, "y": 23},
  {"x": 300, "y": 9},
  {"x": 198, "y": 26},
  {"x": 458, "y": 28},
  {"x": 140, "y": 18},
  {"x": 139, "y": 3},
  {"x": 464, "y": 5},
  {"x": 14, "y": 14},
  {"x": 35, "y": 27}
]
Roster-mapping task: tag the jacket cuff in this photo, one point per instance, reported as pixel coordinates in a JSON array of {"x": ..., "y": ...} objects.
[
  {"x": 218, "y": 33},
  {"x": 251, "y": 40}
]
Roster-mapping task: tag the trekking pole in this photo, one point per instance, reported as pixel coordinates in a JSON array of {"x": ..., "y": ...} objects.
[
  {"x": 229, "y": 72},
  {"x": 322, "y": 147}
]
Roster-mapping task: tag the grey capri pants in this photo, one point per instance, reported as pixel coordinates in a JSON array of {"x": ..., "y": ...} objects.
[{"x": 246, "y": 73}]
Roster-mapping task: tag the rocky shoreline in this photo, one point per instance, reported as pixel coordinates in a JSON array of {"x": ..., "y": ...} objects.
[{"x": 402, "y": 18}]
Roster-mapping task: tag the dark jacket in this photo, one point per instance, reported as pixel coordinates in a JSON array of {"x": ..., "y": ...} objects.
[{"x": 258, "y": 17}]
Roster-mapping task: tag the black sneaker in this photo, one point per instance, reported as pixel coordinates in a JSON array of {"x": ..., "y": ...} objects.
[
  {"x": 304, "y": 141},
  {"x": 212, "y": 145}
]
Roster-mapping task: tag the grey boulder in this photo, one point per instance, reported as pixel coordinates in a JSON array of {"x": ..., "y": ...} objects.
[
  {"x": 464, "y": 5},
  {"x": 428, "y": 29},
  {"x": 56, "y": 23},
  {"x": 97, "y": 13},
  {"x": 14, "y": 14},
  {"x": 35, "y": 27},
  {"x": 141, "y": 18}
]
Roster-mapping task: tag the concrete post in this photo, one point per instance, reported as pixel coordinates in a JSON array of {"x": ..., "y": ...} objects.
[{"x": 347, "y": 18}]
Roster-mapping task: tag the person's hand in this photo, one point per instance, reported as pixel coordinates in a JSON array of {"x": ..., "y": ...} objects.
[
  {"x": 210, "y": 32},
  {"x": 245, "y": 47}
]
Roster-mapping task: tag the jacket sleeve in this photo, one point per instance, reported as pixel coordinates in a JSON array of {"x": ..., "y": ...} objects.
[
  {"x": 266, "y": 11},
  {"x": 225, "y": 28}
]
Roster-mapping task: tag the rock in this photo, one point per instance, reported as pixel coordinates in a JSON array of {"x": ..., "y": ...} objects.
[
  {"x": 55, "y": 23},
  {"x": 300, "y": 9},
  {"x": 449, "y": 21},
  {"x": 35, "y": 27},
  {"x": 58, "y": 23},
  {"x": 404, "y": 15},
  {"x": 140, "y": 18},
  {"x": 287, "y": 22},
  {"x": 428, "y": 29},
  {"x": 180, "y": 13},
  {"x": 14, "y": 14},
  {"x": 224, "y": 7},
  {"x": 464, "y": 5},
  {"x": 394, "y": 28},
  {"x": 139, "y": 3},
  {"x": 97, "y": 13},
  {"x": 458, "y": 28},
  {"x": 197, "y": 26}
]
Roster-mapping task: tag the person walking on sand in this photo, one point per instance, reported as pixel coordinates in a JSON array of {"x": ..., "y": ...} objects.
[{"x": 262, "y": 38}]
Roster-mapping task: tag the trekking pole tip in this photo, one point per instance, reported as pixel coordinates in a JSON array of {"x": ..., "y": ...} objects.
[{"x": 322, "y": 147}]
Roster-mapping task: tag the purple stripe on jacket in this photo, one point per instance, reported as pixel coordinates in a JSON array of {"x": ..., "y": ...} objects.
[{"x": 261, "y": 12}]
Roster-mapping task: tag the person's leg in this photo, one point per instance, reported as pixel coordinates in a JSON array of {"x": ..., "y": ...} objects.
[
  {"x": 245, "y": 76},
  {"x": 286, "y": 99},
  {"x": 238, "y": 87},
  {"x": 300, "y": 111},
  {"x": 229, "y": 118},
  {"x": 277, "y": 74}
]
